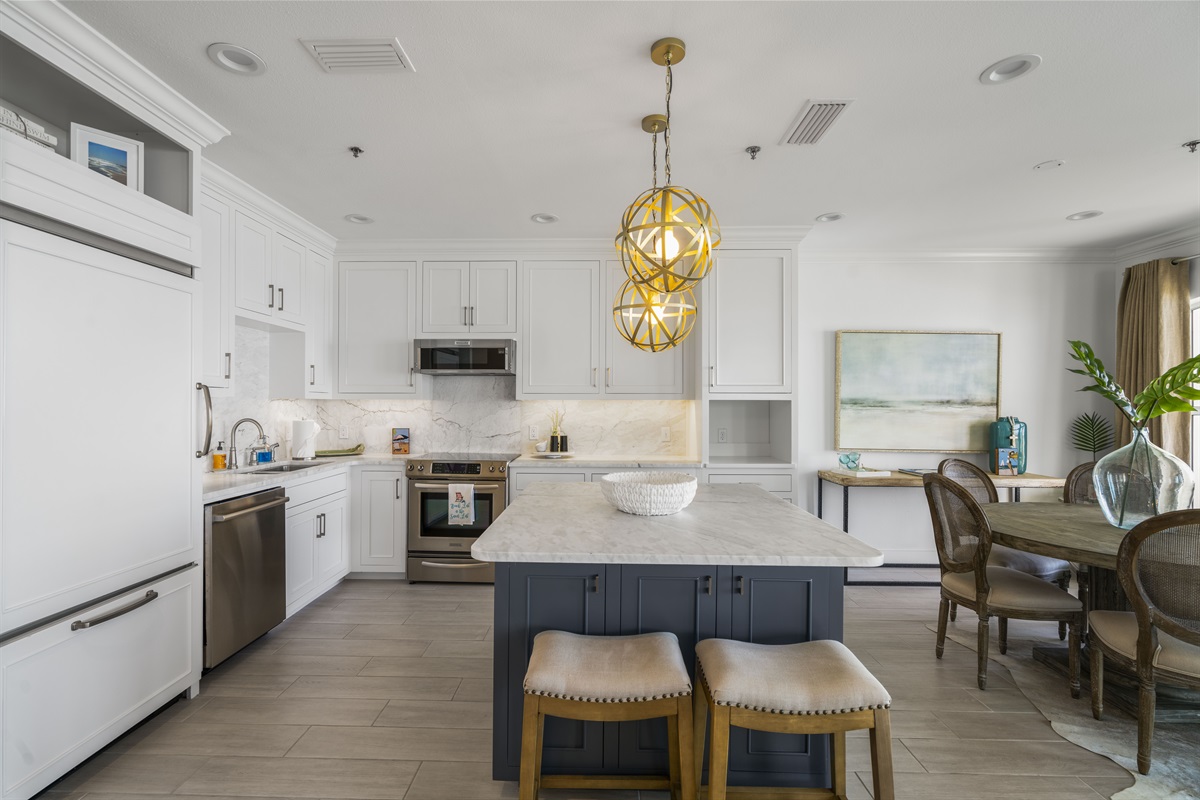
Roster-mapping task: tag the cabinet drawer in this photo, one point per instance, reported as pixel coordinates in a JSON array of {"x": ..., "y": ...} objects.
[
  {"x": 66, "y": 694},
  {"x": 521, "y": 480},
  {"x": 772, "y": 482},
  {"x": 301, "y": 493}
]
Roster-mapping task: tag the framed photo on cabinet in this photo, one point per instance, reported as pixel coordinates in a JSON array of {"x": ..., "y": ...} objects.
[
  {"x": 919, "y": 391},
  {"x": 115, "y": 157}
]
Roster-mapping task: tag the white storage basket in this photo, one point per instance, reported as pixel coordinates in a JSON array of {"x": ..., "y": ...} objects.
[{"x": 649, "y": 494}]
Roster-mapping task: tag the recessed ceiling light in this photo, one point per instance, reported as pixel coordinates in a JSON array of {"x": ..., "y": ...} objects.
[
  {"x": 832, "y": 216},
  {"x": 544, "y": 219},
  {"x": 1009, "y": 69},
  {"x": 236, "y": 59},
  {"x": 1045, "y": 165},
  {"x": 1085, "y": 215},
  {"x": 358, "y": 219}
]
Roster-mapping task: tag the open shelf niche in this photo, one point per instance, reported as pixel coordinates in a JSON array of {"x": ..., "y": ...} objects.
[{"x": 755, "y": 432}]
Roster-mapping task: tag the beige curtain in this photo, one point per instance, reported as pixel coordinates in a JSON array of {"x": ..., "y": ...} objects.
[{"x": 1154, "y": 334}]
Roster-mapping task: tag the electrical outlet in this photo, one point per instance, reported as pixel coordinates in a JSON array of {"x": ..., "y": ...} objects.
[
  {"x": 533, "y": 433},
  {"x": 344, "y": 432},
  {"x": 664, "y": 434},
  {"x": 722, "y": 435}
]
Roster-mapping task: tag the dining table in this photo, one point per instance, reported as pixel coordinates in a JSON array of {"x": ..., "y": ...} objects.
[{"x": 1080, "y": 533}]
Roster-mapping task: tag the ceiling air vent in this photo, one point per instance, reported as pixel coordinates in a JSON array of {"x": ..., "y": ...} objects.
[
  {"x": 359, "y": 55},
  {"x": 814, "y": 119}
]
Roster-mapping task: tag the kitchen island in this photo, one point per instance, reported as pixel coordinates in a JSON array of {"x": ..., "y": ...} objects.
[{"x": 737, "y": 563}]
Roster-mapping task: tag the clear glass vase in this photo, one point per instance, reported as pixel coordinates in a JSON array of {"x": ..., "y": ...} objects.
[{"x": 1140, "y": 480}]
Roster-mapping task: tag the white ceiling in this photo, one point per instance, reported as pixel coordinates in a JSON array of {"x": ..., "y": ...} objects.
[{"x": 524, "y": 107}]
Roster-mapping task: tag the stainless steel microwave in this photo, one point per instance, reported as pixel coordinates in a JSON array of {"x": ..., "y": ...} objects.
[{"x": 465, "y": 356}]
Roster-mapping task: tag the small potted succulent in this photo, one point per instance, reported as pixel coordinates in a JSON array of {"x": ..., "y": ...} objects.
[{"x": 1140, "y": 480}]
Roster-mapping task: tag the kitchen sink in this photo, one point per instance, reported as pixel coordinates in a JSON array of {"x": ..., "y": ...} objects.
[{"x": 285, "y": 468}]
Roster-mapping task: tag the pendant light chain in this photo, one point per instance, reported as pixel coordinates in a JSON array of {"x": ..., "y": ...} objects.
[
  {"x": 655, "y": 161},
  {"x": 667, "y": 130}
]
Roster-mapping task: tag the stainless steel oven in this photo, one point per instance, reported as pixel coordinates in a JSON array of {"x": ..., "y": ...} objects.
[{"x": 437, "y": 550}]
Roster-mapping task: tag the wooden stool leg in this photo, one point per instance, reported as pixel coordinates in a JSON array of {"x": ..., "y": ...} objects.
[
  {"x": 531, "y": 725},
  {"x": 837, "y": 763},
  {"x": 673, "y": 754},
  {"x": 687, "y": 753},
  {"x": 699, "y": 724},
  {"x": 881, "y": 756},
  {"x": 718, "y": 758}
]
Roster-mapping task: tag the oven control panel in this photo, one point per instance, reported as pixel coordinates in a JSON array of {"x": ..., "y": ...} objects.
[{"x": 455, "y": 468}]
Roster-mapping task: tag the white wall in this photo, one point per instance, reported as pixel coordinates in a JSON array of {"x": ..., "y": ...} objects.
[{"x": 1036, "y": 307}]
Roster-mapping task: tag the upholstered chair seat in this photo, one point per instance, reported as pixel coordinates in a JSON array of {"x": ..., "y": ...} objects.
[
  {"x": 1013, "y": 590},
  {"x": 1118, "y": 631}
]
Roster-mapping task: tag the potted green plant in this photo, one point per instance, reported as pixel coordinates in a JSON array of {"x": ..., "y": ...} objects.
[{"x": 1141, "y": 480}]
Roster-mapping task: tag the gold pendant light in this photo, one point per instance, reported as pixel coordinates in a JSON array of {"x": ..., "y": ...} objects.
[{"x": 667, "y": 239}]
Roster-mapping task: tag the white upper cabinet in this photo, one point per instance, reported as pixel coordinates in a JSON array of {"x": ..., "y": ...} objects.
[
  {"x": 268, "y": 271},
  {"x": 746, "y": 309},
  {"x": 376, "y": 327},
  {"x": 634, "y": 372},
  {"x": 478, "y": 297},
  {"x": 216, "y": 280},
  {"x": 319, "y": 355},
  {"x": 290, "y": 263},
  {"x": 559, "y": 351}
]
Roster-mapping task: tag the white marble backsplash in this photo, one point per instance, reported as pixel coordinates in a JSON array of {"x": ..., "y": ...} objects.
[{"x": 461, "y": 414}]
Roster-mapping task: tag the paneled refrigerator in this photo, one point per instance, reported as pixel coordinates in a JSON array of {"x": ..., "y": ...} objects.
[{"x": 100, "y": 508}]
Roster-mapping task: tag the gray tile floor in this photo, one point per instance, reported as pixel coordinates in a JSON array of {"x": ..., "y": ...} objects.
[{"x": 381, "y": 689}]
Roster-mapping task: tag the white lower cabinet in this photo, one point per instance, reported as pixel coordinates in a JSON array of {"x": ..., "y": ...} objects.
[
  {"x": 67, "y": 693},
  {"x": 380, "y": 521},
  {"x": 780, "y": 483},
  {"x": 318, "y": 545},
  {"x": 519, "y": 480}
]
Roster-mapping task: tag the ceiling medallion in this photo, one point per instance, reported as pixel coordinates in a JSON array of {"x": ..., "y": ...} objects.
[{"x": 666, "y": 242}]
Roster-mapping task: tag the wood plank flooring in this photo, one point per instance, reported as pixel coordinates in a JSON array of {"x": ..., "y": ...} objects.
[{"x": 381, "y": 690}]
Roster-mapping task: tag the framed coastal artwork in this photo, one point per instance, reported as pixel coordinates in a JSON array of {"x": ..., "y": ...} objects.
[
  {"x": 115, "y": 157},
  {"x": 918, "y": 391}
]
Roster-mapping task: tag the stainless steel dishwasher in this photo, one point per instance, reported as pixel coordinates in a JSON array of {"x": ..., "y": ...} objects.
[{"x": 244, "y": 572}]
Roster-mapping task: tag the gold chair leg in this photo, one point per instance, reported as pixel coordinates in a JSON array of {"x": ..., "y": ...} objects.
[
  {"x": 718, "y": 758},
  {"x": 837, "y": 763},
  {"x": 530, "y": 725},
  {"x": 687, "y": 752},
  {"x": 982, "y": 647},
  {"x": 943, "y": 607},
  {"x": 881, "y": 756}
]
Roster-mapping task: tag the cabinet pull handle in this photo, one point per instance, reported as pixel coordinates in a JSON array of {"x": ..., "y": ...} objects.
[
  {"x": 228, "y": 365},
  {"x": 207, "y": 420},
  {"x": 80, "y": 624},
  {"x": 740, "y": 585},
  {"x": 271, "y": 291},
  {"x": 711, "y": 376},
  {"x": 594, "y": 376},
  {"x": 410, "y": 376},
  {"x": 708, "y": 584},
  {"x": 465, "y": 316},
  {"x": 608, "y": 376},
  {"x": 320, "y": 526},
  {"x": 595, "y": 588},
  {"x": 472, "y": 315},
  {"x": 397, "y": 488},
  {"x": 281, "y": 298},
  {"x": 312, "y": 372}
]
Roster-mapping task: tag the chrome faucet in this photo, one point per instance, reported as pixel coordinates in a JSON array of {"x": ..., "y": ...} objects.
[{"x": 233, "y": 448}]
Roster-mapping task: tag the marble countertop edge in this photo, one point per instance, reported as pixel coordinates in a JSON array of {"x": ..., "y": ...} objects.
[{"x": 717, "y": 559}]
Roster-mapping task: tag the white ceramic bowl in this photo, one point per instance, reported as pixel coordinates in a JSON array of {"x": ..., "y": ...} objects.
[{"x": 649, "y": 494}]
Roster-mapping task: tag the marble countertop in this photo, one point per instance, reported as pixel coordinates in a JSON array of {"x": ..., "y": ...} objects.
[
  {"x": 725, "y": 524},
  {"x": 534, "y": 461},
  {"x": 222, "y": 485}
]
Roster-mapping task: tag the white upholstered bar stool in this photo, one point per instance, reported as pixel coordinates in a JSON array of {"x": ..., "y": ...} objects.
[
  {"x": 810, "y": 687},
  {"x": 608, "y": 678}
]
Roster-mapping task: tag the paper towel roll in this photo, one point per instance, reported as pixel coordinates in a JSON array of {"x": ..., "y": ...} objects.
[{"x": 304, "y": 438}]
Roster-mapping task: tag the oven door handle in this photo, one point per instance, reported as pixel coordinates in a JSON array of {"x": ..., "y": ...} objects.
[
  {"x": 474, "y": 565},
  {"x": 443, "y": 486}
]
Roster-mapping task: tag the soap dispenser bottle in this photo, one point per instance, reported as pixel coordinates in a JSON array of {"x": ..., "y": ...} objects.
[{"x": 219, "y": 456}]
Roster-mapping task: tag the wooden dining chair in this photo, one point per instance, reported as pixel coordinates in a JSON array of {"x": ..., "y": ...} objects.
[
  {"x": 1079, "y": 487},
  {"x": 964, "y": 542},
  {"x": 981, "y": 487},
  {"x": 1159, "y": 569}
]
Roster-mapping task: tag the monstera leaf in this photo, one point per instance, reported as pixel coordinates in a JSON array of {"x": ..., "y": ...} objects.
[{"x": 1174, "y": 390}]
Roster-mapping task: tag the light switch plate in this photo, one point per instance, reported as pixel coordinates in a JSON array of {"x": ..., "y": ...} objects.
[{"x": 344, "y": 432}]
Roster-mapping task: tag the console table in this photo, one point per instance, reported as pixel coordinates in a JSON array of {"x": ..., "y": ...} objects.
[{"x": 1014, "y": 483}]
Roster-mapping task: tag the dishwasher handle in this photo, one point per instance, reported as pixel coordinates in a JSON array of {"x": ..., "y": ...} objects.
[{"x": 252, "y": 510}]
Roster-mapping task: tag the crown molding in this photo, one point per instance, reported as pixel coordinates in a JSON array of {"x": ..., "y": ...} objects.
[
  {"x": 54, "y": 34},
  {"x": 1033, "y": 256},
  {"x": 1178, "y": 243},
  {"x": 219, "y": 181}
]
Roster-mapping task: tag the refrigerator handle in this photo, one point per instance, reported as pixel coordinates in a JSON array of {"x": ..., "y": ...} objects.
[{"x": 207, "y": 421}]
